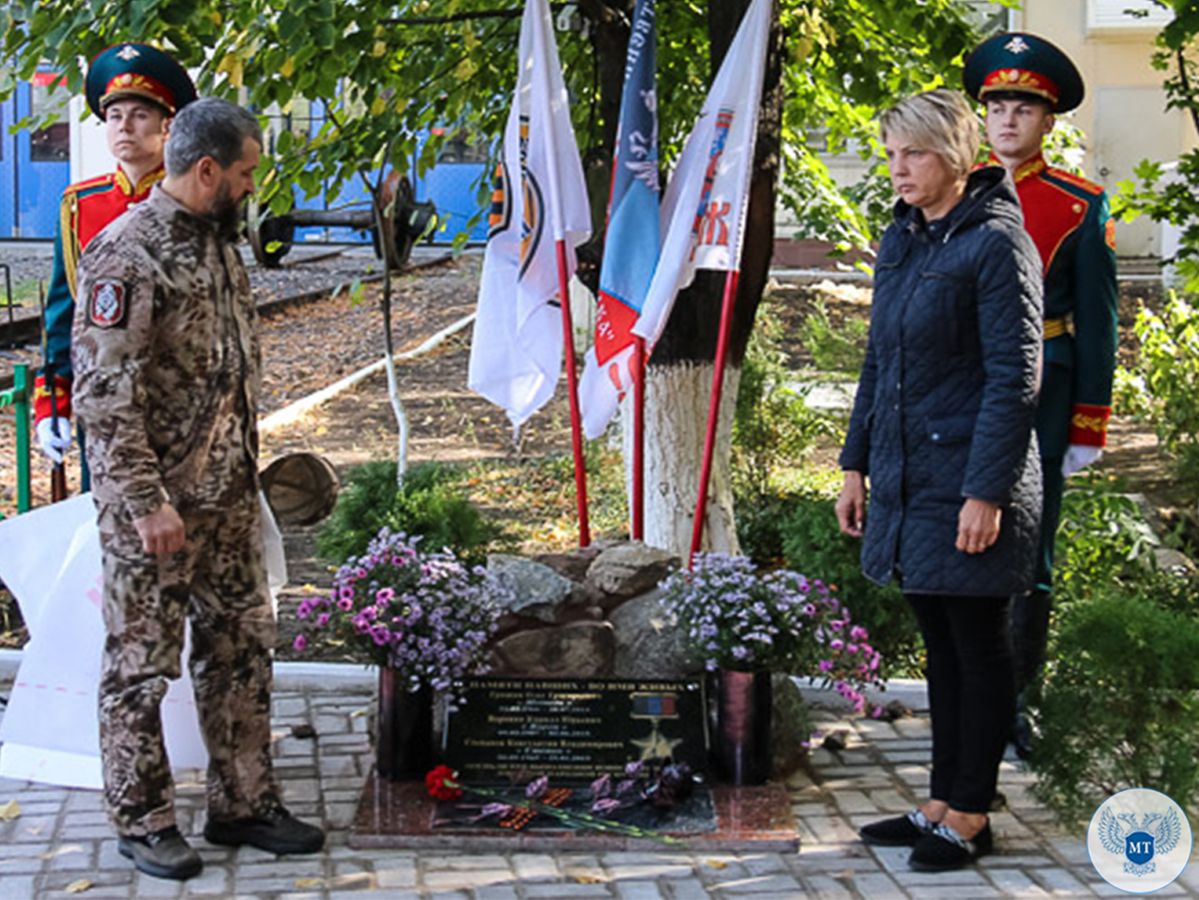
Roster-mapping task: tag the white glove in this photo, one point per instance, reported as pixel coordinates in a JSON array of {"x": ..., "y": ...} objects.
[
  {"x": 1079, "y": 456},
  {"x": 54, "y": 446}
]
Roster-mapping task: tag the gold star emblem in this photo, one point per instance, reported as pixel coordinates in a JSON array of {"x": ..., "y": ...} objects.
[
  {"x": 656, "y": 746},
  {"x": 127, "y": 53}
]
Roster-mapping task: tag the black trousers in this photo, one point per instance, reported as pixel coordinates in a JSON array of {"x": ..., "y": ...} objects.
[{"x": 971, "y": 693}]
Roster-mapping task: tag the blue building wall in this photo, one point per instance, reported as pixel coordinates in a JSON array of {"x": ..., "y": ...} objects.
[{"x": 35, "y": 168}]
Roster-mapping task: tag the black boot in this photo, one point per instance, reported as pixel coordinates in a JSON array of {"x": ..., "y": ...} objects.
[
  {"x": 1030, "y": 635},
  {"x": 275, "y": 832},
  {"x": 163, "y": 854}
]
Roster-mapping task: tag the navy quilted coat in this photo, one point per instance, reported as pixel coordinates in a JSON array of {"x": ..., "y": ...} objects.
[{"x": 947, "y": 395}]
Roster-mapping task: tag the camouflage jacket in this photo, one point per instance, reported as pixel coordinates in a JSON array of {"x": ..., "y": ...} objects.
[{"x": 166, "y": 358}]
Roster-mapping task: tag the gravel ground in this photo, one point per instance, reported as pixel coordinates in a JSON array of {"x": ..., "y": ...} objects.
[
  {"x": 305, "y": 347},
  {"x": 306, "y": 268}
]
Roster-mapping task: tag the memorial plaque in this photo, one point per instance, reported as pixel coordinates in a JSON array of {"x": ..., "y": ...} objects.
[{"x": 574, "y": 729}]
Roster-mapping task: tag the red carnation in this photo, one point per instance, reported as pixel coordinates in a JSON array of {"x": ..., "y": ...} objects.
[{"x": 440, "y": 782}]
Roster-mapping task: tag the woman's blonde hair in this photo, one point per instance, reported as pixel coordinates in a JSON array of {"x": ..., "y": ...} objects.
[{"x": 941, "y": 121}]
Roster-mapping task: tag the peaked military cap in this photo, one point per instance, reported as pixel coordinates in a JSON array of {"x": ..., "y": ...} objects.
[
  {"x": 137, "y": 71},
  {"x": 1023, "y": 63}
]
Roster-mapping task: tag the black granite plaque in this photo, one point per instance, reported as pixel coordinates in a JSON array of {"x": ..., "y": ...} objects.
[{"x": 573, "y": 729}]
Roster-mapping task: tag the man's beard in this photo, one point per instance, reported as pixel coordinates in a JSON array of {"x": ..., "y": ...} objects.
[{"x": 226, "y": 213}]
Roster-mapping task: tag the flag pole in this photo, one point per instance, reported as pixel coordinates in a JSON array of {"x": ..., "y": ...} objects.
[
  {"x": 638, "y": 373},
  {"x": 722, "y": 345},
  {"x": 572, "y": 387}
]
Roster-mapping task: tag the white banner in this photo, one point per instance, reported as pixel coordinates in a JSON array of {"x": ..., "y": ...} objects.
[
  {"x": 50, "y": 561},
  {"x": 516, "y": 351},
  {"x": 703, "y": 212}
]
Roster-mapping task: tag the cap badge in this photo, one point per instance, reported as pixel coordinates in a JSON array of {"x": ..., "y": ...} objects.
[
  {"x": 1016, "y": 45},
  {"x": 128, "y": 52}
]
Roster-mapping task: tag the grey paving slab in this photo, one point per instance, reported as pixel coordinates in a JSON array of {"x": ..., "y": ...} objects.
[{"x": 62, "y": 836}]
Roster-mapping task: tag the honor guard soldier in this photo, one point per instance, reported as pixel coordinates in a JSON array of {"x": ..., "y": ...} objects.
[
  {"x": 135, "y": 89},
  {"x": 1023, "y": 80}
]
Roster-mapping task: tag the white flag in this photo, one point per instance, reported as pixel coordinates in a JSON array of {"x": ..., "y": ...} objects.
[
  {"x": 703, "y": 212},
  {"x": 516, "y": 353}
]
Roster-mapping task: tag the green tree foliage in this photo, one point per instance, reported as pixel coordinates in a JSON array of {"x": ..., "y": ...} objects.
[
  {"x": 384, "y": 71},
  {"x": 1168, "y": 192}
]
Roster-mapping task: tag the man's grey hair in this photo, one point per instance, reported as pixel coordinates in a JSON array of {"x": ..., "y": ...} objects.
[
  {"x": 209, "y": 127},
  {"x": 941, "y": 121}
]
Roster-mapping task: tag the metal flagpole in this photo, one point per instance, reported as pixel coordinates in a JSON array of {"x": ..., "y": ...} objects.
[
  {"x": 572, "y": 387},
  {"x": 638, "y": 367},
  {"x": 722, "y": 345}
]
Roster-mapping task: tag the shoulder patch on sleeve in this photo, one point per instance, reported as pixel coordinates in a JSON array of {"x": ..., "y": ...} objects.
[
  {"x": 1109, "y": 234},
  {"x": 108, "y": 305}
]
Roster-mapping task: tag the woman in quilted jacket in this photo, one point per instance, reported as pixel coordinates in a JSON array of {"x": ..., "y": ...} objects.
[{"x": 941, "y": 476}]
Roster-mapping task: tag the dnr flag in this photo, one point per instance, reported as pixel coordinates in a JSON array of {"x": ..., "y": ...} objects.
[
  {"x": 703, "y": 212},
  {"x": 631, "y": 242},
  {"x": 541, "y": 198}
]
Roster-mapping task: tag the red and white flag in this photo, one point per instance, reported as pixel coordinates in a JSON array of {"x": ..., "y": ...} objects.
[
  {"x": 703, "y": 212},
  {"x": 516, "y": 352}
]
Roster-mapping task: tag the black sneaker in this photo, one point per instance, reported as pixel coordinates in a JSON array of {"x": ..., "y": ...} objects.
[
  {"x": 163, "y": 854},
  {"x": 277, "y": 832},
  {"x": 902, "y": 831},
  {"x": 943, "y": 849}
]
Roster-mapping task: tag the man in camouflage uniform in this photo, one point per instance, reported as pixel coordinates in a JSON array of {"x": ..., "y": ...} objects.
[{"x": 166, "y": 362}]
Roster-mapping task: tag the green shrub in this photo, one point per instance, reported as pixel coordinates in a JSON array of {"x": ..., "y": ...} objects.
[
  {"x": 774, "y": 429},
  {"x": 431, "y": 505},
  {"x": 835, "y": 347},
  {"x": 1103, "y": 538},
  {"x": 1119, "y": 706},
  {"x": 774, "y": 432},
  {"x": 1168, "y": 366},
  {"x": 814, "y": 545}
]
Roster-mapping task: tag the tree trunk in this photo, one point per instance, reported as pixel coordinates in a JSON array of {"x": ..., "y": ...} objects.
[
  {"x": 680, "y": 370},
  {"x": 674, "y": 443}
]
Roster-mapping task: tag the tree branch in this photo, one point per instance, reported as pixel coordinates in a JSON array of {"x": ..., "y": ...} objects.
[
  {"x": 466, "y": 16},
  {"x": 1186, "y": 88}
]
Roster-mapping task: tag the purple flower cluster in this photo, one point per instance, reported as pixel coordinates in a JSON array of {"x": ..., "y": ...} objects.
[
  {"x": 735, "y": 617},
  {"x": 424, "y": 614}
]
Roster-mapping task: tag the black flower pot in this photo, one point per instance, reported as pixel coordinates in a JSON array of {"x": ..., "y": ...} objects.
[
  {"x": 744, "y": 707},
  {"x": 403, "y": 729}
]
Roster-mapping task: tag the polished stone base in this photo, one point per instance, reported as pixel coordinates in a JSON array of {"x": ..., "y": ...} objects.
[{"x": 400, "y": 814}]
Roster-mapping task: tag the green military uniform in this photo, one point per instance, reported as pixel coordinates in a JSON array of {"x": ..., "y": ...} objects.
[
  {"x": 124, "y": 72},
  {"x": 1069, "y": 221}
]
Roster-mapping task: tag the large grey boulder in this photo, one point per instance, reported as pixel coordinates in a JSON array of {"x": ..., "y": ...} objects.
[
  {"x": 631, "y": 568},
  {"x": 577, "y": 650},
  {"x": 538, "y": 589},
  {"x": 647, "y": 644}
]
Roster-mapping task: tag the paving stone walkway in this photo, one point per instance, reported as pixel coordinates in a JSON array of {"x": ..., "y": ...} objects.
[{"x": 61, "y": 837}]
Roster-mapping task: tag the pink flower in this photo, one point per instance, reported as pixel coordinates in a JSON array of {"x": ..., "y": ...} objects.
[
  {"x": 385, "y": 595},
  {"x": 836, "y": 643},
  {"x": 322, "y": 620},
  {"x": 345, "y": 604},
  {"x": 300, "y": 644}
]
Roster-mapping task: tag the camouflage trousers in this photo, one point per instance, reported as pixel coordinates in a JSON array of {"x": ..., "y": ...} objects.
[{"x": 218, "y": 584}]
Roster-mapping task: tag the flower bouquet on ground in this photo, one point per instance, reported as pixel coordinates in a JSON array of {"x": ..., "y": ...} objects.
[
  {"x": 745, "y": 625},
  {"x": 648, "y": 790},
  {"x": 424, "y": 618},
  {"x": 735, "y": 618},
  {"x": 423, "y": 614}
]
